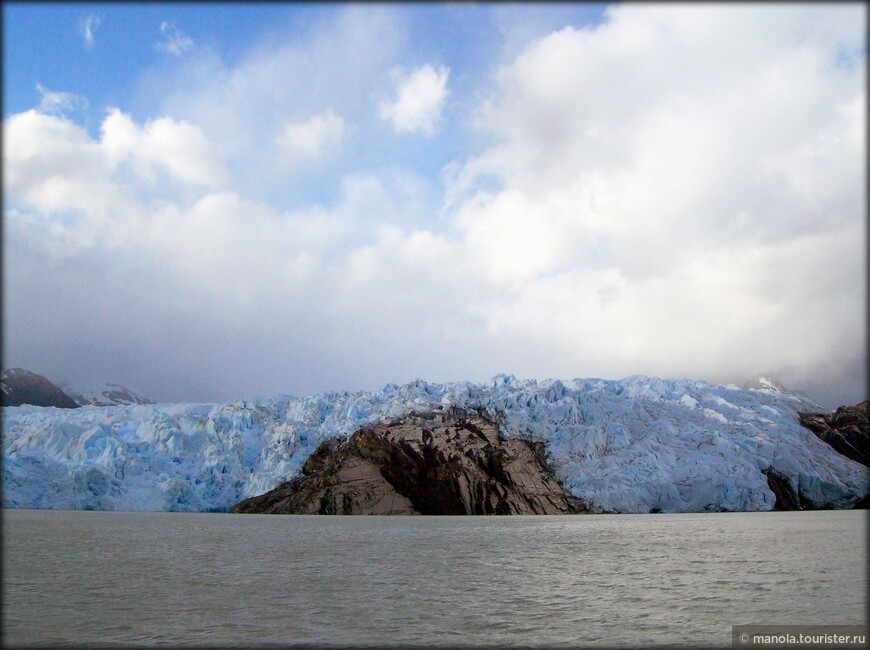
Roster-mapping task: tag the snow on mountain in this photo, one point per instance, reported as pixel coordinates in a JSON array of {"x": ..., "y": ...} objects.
[
  {"x": 768, "y": 383},
  {"x": 632, "y": 445},
  {"x": 103, "y": 394},
  {"x": 762, "y": 382}
]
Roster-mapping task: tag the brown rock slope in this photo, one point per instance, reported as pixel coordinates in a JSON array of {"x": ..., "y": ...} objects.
[
  {"x": 847, "y": 430},
  {"x": 445, "y": 463},
  {"x": 19, "y": 387}
]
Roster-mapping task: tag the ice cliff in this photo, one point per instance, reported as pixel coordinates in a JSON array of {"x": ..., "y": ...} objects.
[{"x": 633, "y": 445}]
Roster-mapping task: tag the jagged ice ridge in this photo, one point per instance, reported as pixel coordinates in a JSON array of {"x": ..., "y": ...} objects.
[{"x": 633, "y": 445}]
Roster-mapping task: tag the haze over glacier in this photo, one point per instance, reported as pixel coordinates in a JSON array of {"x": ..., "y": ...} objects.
[{"x": 634, "y": 445}]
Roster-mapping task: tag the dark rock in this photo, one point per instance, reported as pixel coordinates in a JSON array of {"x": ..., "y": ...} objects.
[
  {"x": 786, "y": 499},
  {"x": 444, "y": 463},
  {"x": 847, "y": 430},
  {"x": 19, "y": 387}
]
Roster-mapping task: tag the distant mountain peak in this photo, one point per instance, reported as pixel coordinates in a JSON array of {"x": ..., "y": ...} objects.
[
  {"x": 19, "y": 386},
  {"x": 104, "y": 394},
  {"x": 765, "y": 382}
]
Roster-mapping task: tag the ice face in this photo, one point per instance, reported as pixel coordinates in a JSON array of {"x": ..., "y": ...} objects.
[{"x": 632, "y": 445}]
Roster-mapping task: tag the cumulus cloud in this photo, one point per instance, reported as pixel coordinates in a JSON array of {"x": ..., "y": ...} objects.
[
  {"x": 175, "y": 42},
  {"x": 86, "y": 190},
  {"x": 51, "y": 165},
  {"x": 340, "y": 62},
  {"x": 176, "y": 147},
  {"x": 661, "y": 184},
  {"x": 59, "y": 103},
  {"x": 309, "y": 141},
  {"x": 420, "y": 98},
  {"x": 87, "y": 28}
]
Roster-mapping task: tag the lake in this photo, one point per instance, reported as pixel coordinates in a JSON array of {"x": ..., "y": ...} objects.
[{"x": 136, "y": 578}]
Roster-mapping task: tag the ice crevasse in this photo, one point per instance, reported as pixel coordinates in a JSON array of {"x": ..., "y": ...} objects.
[{"x": 635, "y": 445}]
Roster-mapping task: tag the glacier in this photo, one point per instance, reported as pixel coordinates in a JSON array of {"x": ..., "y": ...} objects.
[{"x": 634, "y": 445}]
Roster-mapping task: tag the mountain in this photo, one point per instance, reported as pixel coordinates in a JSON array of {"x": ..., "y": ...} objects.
[
  {"x": 24, "y": 387},
  {"x": 766, "y": 382},
  {"x": 19, "y": 387},
  {"x": 636, "y": 445},
  {"x": 763, "y": 382},
  {"x": 103, "y": 394},
  {"x": 847, "y": 430}
]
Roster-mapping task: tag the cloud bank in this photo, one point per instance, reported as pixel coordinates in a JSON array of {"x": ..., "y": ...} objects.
[{"x": 677, "y": 192}]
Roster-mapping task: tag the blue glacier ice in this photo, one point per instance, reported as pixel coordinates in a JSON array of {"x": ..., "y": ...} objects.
[{"x": 633, "y": 445}]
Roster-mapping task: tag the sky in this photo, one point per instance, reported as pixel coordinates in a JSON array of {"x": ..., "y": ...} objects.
[{"x": 209, "y": 202}]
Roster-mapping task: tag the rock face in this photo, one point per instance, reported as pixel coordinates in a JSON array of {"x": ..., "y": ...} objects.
[
  {"x": 19, "y": 387},
  {"x": 847, "y": 430},
  {"x": 442, "y": 463},
  {"x": 786, "y": 498}
]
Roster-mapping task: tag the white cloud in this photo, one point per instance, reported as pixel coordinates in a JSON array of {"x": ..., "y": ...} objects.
[
  {"x": 175, "y": 147},
  {"x": 658, "y": 152},
  {"x": 87, "y": 28},
  {"x": 309, "y": 141},
  {"x": 419, "y": 100},
  {"x": 59, "y": 103},
  {"x": 679, "y": 191},
  {"x": 102, "y": 194},
  {"x": 51, "y": 164},
  {"x": 86, "y": 190},
  {"x": 341, "y": 60},
  {"x": 175, "y": 42}
]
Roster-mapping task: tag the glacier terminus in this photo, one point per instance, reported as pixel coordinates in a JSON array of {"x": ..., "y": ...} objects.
[{"x": 636, "y": 445}]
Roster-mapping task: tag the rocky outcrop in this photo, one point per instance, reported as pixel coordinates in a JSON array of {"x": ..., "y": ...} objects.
[
  {"x": 786, "y": 497},
  {"x": 19, "y": 387},
  {"x": 443, "y": 463},
  {"x": 847, "y": 430}
]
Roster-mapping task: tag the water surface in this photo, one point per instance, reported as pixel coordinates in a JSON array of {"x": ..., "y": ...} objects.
[{"x": 216, "y": 579}]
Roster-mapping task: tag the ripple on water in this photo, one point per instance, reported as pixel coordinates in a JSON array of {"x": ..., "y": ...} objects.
[{"x": 614, "y": 580}]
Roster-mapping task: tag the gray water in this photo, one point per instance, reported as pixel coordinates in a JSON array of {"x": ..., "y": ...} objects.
[{"x": 217, "y": 579}]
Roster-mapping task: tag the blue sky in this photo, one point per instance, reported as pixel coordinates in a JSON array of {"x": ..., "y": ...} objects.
[
  {"x": 306, "y": 197},
  {"x": 119, "y": 62}
]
